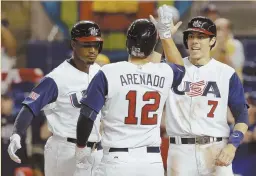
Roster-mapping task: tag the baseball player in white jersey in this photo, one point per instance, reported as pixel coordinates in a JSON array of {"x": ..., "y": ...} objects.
[
  {"x": 131, "y": 96},
  {"x": 196, "y": 110},
  {"x": 58, "y": 95}
]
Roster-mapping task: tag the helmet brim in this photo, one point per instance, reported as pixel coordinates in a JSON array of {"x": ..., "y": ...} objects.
[
  {"x": 89, "y": 39},
  {"x": 199, "y": 30}
]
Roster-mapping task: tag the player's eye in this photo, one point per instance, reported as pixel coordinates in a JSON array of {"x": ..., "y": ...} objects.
[
  {"x": 89, "y": 44},
  {"x": 190, "y": 36},
  {"x": 201, "y": 37}
]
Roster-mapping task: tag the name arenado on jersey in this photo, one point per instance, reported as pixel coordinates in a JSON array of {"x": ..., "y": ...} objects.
[{"x": 145, "y": 79}]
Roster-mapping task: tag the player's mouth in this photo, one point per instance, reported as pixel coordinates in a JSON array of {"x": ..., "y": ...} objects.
[
  {"x": 92, "y": 56},
  {"x": 195, "y": 49}
]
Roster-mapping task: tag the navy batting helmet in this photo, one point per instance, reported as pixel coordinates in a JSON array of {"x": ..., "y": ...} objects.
[
  {"x": 141, "y": 38},
  {"x": 87, "y": 31},
  {"x": 202, "y": 25}
]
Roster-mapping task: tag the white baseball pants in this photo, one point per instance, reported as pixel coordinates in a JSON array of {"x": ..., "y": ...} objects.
[
  {"x": 196, "y": 160},
  {"x": 60, "y": 159},
  {"x": 135, "y": 162}
]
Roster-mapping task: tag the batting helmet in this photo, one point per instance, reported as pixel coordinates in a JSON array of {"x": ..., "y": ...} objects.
[
  {"x": 141, "y": 38},
  {"x": 87, "y": 31},
  {"x": 202, "y": 25}
]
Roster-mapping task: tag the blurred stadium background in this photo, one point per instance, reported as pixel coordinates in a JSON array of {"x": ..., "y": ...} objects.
[{"x": 35, "y": 39}]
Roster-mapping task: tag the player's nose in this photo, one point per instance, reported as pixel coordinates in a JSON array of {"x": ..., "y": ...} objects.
[
  {"x": 195, "y": 39},
  {"x": 92, "y": 49}
]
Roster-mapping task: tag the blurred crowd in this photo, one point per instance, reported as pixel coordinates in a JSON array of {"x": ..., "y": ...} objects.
[{"x": 17, "y": 82}]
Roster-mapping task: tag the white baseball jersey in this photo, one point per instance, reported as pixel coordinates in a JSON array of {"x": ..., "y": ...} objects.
[
  {"x": 199, "y": 105},
  {"x": 134, "y": 97},
  {"x": 58, "y": 94}
]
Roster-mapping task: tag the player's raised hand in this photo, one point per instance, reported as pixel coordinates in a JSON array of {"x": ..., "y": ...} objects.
[
  {"x": 164, "y": 24},
  {"x": 13, "y": 147},
  {"x": 168, "y": 11},
  {"x": 226, "y": 156}
]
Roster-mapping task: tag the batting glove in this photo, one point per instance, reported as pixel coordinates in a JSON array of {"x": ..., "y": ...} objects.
[
  {"x": 13, "y": 147},
  {"x": 82, "y": 155},
  {"x": 164, "y": 23}
]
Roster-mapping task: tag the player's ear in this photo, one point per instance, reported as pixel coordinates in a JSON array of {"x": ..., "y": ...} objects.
[{"x": 212, "y": 41}]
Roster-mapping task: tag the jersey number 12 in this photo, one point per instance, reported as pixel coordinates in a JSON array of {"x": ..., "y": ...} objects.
[{"x": 145, "y": 119}]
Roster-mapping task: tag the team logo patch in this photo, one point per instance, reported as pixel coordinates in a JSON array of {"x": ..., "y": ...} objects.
[
  {"x": 93, "y": 31},
  {"x": 196, "y": 89},
  {"x": 197, "y": 24},
  {"x": 34, "y": 96},
  {"x": 136, "y": 52}
]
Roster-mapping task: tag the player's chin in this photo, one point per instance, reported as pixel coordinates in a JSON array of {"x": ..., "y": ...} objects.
[
  {"x": 195, "y": 55},
  {"x": 90, "y": 60}
]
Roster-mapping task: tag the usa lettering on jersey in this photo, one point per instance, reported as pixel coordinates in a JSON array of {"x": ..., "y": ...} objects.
[
  {"x": 74, "y": 100},
  {"x": 200, "y": 88}
]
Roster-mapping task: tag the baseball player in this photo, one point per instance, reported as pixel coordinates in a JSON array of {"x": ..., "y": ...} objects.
[
  {"x": 131, "y": 96},
  {"x": 58, "y": 95},
  {"x": 196, "y": 110}
]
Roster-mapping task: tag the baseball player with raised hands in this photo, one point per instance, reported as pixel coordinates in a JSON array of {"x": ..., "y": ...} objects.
[
  {"x": 131, "y": 96},
  {"x": 58, "y": 95},
  {"x": 196, "y": 110}
]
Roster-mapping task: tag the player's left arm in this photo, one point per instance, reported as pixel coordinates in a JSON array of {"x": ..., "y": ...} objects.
[
  {"x": 239, "y": 109},
  {"x": 91, "y": 104}
]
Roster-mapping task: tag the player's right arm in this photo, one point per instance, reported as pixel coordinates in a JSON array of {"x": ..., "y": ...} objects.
[
  {"x": 171, "y": 51},
  {"x": 91, "y": 104},
  {"x": 157, "y": 53},
  {"x": 178, "y": 74},
  {"x": 44, "y": 93}
]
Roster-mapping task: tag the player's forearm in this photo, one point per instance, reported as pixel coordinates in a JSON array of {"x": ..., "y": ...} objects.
[
  {"x": 157, "y": 53},
  {"x": 171, "y": 52},
  {"x": 243, "y": 127},
  {"x": 85, "y": 125},
  {"x": 84, "y": 129},
  {"x": 237, "y": 136},
  {"x": 240, "y": 113},
  {"x": 23, "y": 120}
]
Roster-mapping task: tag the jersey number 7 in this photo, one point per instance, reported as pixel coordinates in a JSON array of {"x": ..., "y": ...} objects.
[
  {"x": 145, "y": 119},
  {"x": 214, "y": 105}
]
